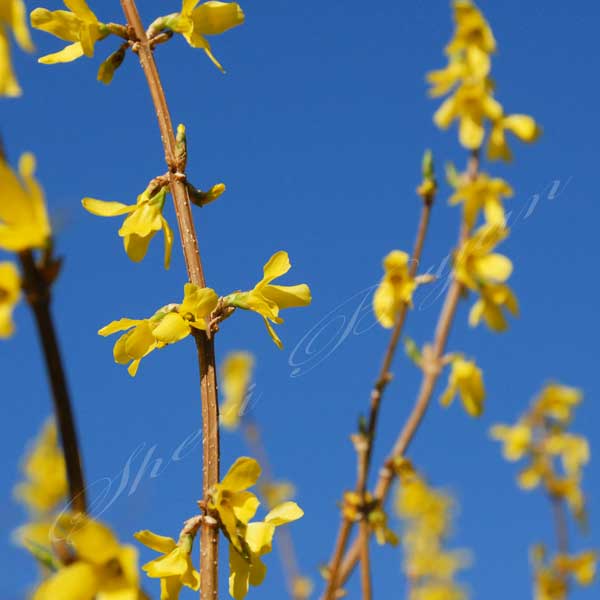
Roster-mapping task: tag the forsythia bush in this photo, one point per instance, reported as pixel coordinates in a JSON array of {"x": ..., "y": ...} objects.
[{"x": 81, "y": 558}]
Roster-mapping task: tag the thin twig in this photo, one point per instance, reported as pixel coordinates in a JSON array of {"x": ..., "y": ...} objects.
[
  {"x": 205, "y": 345},
  {"x": 383, "y": 378},
  {"x": 37, "y": 291},
  {"x": 365, "y": 561},
  {"x": 561, "y": 526},
  {"x": 431, "y": 373}
]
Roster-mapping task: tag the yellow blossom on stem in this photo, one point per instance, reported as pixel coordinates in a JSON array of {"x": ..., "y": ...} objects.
[
  {"x": 231, "y": 499},
  {"x": 558, "y": 401},
  {"x": 523, "y": 127},
  {"x": 516, "y": 439},
  {"x": 235, "y": 379},
  {"x": 168, "y": 325},
  {"x": 100, "y": 567},
  {"x": 23, "y": 218},
  {"x": 581, "y": 566},
  {"x": 210, "y": 18},
  {"x": 145, "y": 219},
  {"x": 267, "y": 300},
  {"x": 248, "y": 569},
  {"x": 395, "y": 290},
  {"x": 494, "y": 300},
  {"x": 12, "y": 18},
  {"x": 466, "y": 380},
  {"x": 484, "y": 193},
  {"x": 45, "y": 485},
  {"x": 10, "y": 292},
  {"x": 174, "y": 568},
  {"x": 78, "y": 25}
]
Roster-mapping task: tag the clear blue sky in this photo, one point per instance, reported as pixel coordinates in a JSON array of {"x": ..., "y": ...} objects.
[{"x": 317, "y": 129}]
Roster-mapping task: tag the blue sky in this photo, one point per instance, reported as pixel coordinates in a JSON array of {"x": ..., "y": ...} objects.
[{"x": 317, "y": 129}]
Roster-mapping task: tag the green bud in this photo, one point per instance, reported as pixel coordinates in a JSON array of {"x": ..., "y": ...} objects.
[
  {"x": 181, "y": 147},
  {"x": 427, "y": 166},
  {"x": 107, "y": 69},
  {"x": 412, "y": 351}
]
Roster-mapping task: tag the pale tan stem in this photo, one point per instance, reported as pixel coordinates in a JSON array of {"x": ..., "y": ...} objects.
[
  {"x": 204, "y": 343},
  {"x": 365, "y": 561}
]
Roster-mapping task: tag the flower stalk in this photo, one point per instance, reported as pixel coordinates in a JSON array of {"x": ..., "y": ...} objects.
[{"x": 189, "y": 242}]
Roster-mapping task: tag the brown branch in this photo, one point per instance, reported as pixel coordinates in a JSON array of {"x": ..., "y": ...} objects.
[
  {"x": 189, "y": 243},
  {"x": 365, "y": 561},
  {"x": 431, "y": 373},
  {"x": 37, "y": 290},
  {"x": 379, "y": 387}
]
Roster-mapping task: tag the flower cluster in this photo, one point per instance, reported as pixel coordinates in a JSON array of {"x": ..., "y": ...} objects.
[
  {"x": 356, "y": 508},
  {"x": 426, "y": 514},
  {"x": 555, "y": 460},
  {"x": 467, "y": 79},
  {"x": 12, "y": 19}
]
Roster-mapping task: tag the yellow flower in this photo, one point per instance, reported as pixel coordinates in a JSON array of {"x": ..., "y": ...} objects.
[
  {"x": 516, "y": 439},
  {"x": 46, "y": 477},
  {"x": 79, "y": 25},
  {"x": 144, "y": 220},
  {"x": 395, "y": 290},
  {"x": 557, "y": 402},
  {"x": 267, "y": 300},
  {"x": 489, "y": 307},
  {"x": 465, "y": 379},
  {"x": 484, "y": 193},
  {"x": 302, "y": 588},
  {"x": 12, "y": 18},
  {"x": 175, "y": 568},
  {"x": 582, "y": 566},
  {"x": 573, "y": 450},
  {"x": 10, "y": 292},
  {"x": 231, "y": 499},
  {"x": 258, "y": 538},
  {"x": 23, "y": 218},
  {"x": 236, "y": 377},
  {"x": 168, "y": 325},
  {"x": 550, "y": 585},
  {"x": 101, "y": 567},
  {"x": 475, "y": 264},
  {"x": 471, "y": 104},
  {"x": 210, "y": 18},
  {"x": 522, "y": 126}
]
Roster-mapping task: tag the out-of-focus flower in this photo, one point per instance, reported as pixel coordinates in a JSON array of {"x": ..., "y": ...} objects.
[
  {"x": 466, "y": 380},
  {"x": 12, "y": 19},
  {"x": 10, "y": 292},
  {"x": 23, "y": 218},
  {"x": 45, "y": 485},
  {"x": 267, "y": 299},
  {"x": 494, "y": 300},
  {"x": 523, "y": 127},
  {"x": 516, "y": 439},
  {"x": 236, "y": 376}
]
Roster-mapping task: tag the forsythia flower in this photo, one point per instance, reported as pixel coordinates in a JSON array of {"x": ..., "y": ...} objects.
[
  {"x": 466, "y": 380},
  {"x": 258, "y": 539},
  {"x": 100, "y": 567},
  {"x": 484, "y": 193},
  {"x": 516, "y": 439},
  {"x": 144, "y": 220},
  {"x": 80, "y": 26},
  {"x": 489, "y": 307},
  {"x": 396, "y": 288},
  {"x": 426, "y": 514},
  {"x": 23, "y": 218},
  {"x": 175, "y": 568},
  {"x": 231, "y": 499},
  {"x": 10, "y": 292},
  {"x": 522, "y": 126},
  {"x": 355, "y": 509},
  {"x": 12, "y": 18},
  {"x": 236, "y": 377},
  {"x": 168, "y": 325},
  {"x": 557, "y": 402},
  {"x": 210, "y": 18},
  {"x": 46, "y": 475},
  {"x": 266, "y": 299}
]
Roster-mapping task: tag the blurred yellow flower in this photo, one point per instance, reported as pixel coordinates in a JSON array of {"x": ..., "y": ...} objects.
[
  {"x": 12, "y": 18},
  {"x": 45, "y": 485},
  {"x": 23, "y": 218},
  {"x": 558, "y": 401},
  {"x": 266, "y": 299},
  {"x": 516, "y": 439},
  {"x": 10, "y": 292},
  {"x": 395, "y": 290},
  {"x": 246, "y": 570},
  {"x": 236, "y": 376},
  {"x": 144, "y": 220},
  {"x": 231, "y": 499},
  {"x": 79, "y": 25},
  {"x": 522, "y": 126},
  {"x": 100, "y": 567},
  {"x": 484, "y": 193},
  {"x": 175, "y": 568},
  {"x": 466, "y": 380},
  {"x": 210, "y": 18},
  {"x": 168, "y": 325},
  {"x": 494, "y": 299},
  {"x": 582, "y": 566},
  {"x": 276, "y": 492}
]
